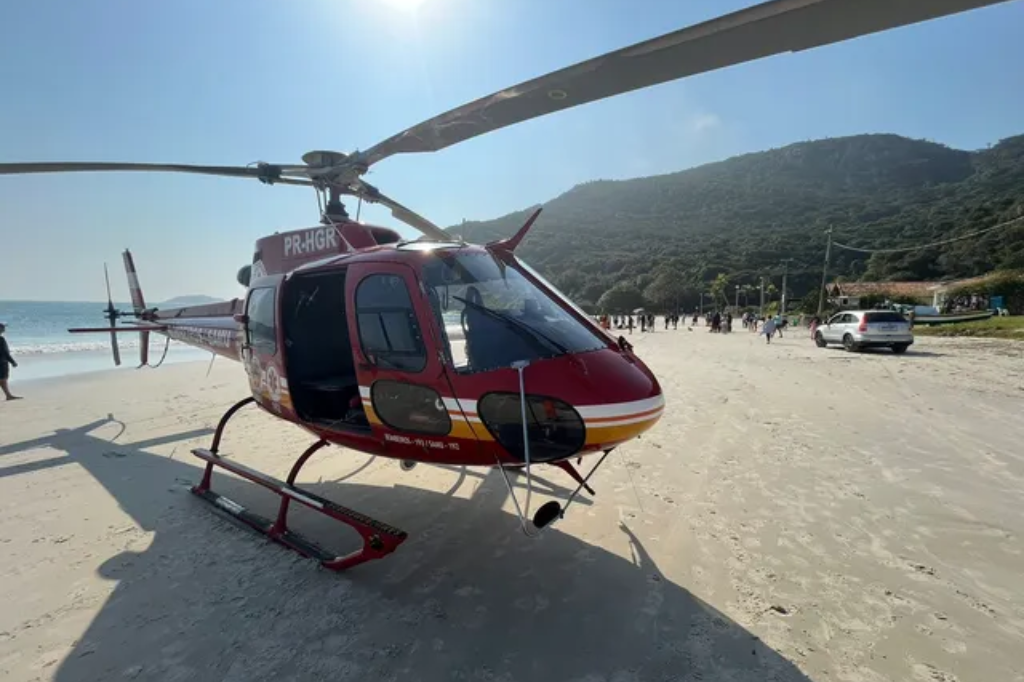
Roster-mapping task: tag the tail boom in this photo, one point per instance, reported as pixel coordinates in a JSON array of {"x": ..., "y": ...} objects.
[
  {"x": 218, "y": 334},
  {"x": 211, "y": 326}
]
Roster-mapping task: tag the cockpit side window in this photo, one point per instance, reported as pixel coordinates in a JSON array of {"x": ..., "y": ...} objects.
[
  {"x": 388, "y": 330},
  {"x": 261, "y": 329}
]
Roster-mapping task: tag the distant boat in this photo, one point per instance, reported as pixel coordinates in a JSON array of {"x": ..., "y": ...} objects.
[
  {"x": 924, "y": 314},
  {"x": 949, "y": 318}
]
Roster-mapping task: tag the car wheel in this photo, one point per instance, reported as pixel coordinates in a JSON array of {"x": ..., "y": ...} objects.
[
  {"x": 819, "y": 340},
  {"x": 899, "y": 348},
  {"x": 848, "y": 343}
]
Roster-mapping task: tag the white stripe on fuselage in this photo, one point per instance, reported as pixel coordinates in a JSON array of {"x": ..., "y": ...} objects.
[{"x": 627, "y": 413}]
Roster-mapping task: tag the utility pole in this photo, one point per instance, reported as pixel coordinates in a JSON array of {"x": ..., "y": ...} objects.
[
  {"x": 737, "y": 297},
  {"x": 761, "y": 313},
  {"x": 824, "y": 272},
  {"x": 785, "y": 275}
]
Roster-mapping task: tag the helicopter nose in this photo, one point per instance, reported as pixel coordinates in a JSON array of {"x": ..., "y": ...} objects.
[
  {"x": 617, "y": 397},
  {"x": 630, "y": 403},
  {"x": 582, "y": 404}
]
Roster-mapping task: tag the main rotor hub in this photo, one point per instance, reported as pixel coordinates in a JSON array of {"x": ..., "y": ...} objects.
[{"x": 323, "y": 159}]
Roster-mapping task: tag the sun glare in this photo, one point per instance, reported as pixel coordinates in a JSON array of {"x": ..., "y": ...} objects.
[{"x": 405, "y": 5}]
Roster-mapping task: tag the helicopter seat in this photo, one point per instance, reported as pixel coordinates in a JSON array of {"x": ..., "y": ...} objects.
[
  {"x": 321, "y": 368},
  {"x": 333, "y": 384},
  {"x": 331, "y": 387}
]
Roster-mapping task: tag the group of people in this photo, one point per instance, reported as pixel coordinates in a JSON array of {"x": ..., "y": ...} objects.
[
  {"x": 769, "y": 326},
  {"x": 646, "y": 321},
  {"x": 716, "y": 322}
]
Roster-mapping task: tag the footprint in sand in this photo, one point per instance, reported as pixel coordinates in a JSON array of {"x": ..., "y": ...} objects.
[{"x": 929, "y": 673}]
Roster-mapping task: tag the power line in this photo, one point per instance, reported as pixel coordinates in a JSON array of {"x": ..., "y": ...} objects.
[{"x": 928, "y": 246}]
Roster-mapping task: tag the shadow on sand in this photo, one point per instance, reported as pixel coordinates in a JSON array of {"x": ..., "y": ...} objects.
[
  {"x": 467, "y": 597},
  {"x": 841, "y": 353}
]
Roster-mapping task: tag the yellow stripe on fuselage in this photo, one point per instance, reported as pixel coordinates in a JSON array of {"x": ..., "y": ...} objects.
[
  {"x": 610, "y": 435},
  {"x": 611, "y": 425}
]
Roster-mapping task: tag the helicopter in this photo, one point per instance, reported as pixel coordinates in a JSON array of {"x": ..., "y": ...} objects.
[{"x": 435, "y": 350}]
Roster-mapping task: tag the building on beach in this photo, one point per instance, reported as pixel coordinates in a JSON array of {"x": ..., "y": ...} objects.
[{"x": 943, "y": 295}]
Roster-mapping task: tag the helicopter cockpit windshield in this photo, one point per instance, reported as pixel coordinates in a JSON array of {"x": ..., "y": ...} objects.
[{"x": 492, "y": 315}]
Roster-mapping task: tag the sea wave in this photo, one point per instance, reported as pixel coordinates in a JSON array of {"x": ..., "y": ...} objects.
[
  {"x": 128, "y": 341},
  {"x": 83, "y": 346}
]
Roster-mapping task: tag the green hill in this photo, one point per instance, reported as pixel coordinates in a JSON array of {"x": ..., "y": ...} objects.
[{"x": 744, "y": 216}]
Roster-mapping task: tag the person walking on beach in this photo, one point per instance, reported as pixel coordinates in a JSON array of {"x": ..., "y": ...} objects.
[
  {"x": 768, "y": 329},
  {"x": 6, "y": 362},
  {"x": 815, "y": 323}
]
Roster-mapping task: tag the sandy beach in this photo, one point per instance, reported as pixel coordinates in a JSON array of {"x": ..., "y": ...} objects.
[{"x": 798, "y": 514}]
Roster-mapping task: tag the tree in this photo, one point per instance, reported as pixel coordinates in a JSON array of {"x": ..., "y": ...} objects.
[
  {"x": 668, "y": 291},
  {"x": 746, "y": 290},
  {"x": 621, "y": 298},
  {"x": 718, "y": 287}
]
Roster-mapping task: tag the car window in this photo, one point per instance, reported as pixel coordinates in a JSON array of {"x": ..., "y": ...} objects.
[
  {"x": 835, "y": 319},
  {"x": 886, "y": 316}
]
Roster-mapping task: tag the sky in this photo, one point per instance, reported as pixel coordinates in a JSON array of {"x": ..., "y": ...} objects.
[{"x": 236, "y": 81}]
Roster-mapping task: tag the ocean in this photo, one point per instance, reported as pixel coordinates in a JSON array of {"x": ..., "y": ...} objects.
[
  {"x": 37, "y": 332},
  {"x": 43, "y": 348}
]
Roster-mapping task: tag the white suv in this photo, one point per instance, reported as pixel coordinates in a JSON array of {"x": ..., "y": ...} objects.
[{"x": 857, "y": 329}]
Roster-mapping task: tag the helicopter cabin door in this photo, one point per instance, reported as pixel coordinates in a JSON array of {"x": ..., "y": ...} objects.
[
  {"x": 261, "y": 350},
  {"x": 402, "y": 382}
]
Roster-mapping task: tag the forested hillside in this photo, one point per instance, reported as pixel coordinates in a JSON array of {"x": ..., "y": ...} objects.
[{"x": 671, "y": 236}]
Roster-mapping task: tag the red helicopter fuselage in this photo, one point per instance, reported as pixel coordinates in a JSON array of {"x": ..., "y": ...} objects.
[{"x": 421, "y": 350}]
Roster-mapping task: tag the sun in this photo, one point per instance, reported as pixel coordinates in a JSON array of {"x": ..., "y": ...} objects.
[{"x": 404, "y": 5}]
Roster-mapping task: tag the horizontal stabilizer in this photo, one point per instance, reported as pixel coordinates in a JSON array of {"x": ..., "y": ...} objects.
[{"x": 96, "y": 330}]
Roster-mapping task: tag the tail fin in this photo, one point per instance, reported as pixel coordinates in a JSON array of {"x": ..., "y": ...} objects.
[{"x": 138, "y": 304}]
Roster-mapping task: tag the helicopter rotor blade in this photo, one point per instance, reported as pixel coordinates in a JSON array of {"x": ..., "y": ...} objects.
[
  {"x": 371, "y": 194},
  {"x": 766, "y": 29},
  {"x": 106, "y": 278},
  {"x": 264, "y": 172},
  {"x": 112, "y": 318},
  {"x": 760, "y": 31}
]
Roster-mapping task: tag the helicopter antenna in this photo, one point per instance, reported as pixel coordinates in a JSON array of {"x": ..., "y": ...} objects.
[{"x": 549, "y": 511}]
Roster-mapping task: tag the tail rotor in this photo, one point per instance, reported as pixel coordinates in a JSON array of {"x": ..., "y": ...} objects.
[
  {"x": 112, "y": 313},
  {"x": 146, "y": 318}
]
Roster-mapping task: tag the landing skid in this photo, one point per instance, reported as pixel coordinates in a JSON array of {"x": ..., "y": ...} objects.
[{"x": 379, "y": 539}]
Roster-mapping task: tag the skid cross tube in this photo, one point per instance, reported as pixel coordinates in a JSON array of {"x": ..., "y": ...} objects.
[{"x": 379, "y": 539}]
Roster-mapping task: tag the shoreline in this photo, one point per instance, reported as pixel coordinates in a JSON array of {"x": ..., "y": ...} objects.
[
  {"x": 86, "y": 376},
  {"x": 36, "y": 367}
]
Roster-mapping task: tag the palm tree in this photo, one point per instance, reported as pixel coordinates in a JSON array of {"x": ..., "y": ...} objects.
[
  {"x": 718, "y": 289},
  {"x": 745, "y": 290}
]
